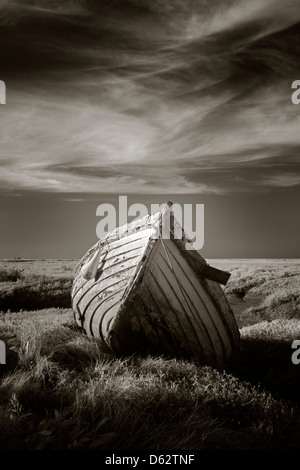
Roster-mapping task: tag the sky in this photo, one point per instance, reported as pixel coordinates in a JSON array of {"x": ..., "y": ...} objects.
[{"x": 188, "y": 101}]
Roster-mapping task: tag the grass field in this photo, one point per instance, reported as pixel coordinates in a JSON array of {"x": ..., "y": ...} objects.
[{"x": 61, "y": 390}]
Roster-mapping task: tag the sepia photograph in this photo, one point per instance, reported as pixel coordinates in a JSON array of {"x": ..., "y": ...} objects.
[{"x": 149, "y": 228}]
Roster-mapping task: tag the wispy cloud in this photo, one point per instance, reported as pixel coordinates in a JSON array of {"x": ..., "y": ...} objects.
[
  {"x": 123, "y": 103},
  {"x": 283, "y": 181}
]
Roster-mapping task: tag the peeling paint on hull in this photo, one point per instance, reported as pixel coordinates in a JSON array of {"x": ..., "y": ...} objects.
[{"x": 148, "y": 295}]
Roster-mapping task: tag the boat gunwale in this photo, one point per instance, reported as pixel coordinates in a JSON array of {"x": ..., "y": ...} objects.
[{"x": 144, "y": 259}]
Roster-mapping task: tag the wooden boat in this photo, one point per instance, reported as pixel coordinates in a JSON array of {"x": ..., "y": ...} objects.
[{"x": 141, "y": 292}]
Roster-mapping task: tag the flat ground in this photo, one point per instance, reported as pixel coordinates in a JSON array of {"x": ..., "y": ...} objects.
[
  {"x": 257, "y": 288},
  {"x": 262, "y": 289},
  {"x": 60, "y": 390}
]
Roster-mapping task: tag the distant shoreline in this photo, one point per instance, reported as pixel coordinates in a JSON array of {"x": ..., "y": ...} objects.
[{"x": 209, "y": 260}]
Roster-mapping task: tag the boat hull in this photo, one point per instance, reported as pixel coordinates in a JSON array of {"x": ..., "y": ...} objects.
[{"x": 148, "y": 296}]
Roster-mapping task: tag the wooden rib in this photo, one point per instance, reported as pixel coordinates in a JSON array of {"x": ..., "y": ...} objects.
[
  {"x": 97, "y": 299},
  {"x": 110, "y": 252},
  {"x": 198, "y": 330},
  {"x": 114, "y": 343},
  {"x": 89, "y": 295},
  {"x": 206, "y": 312},
  {"x": 102, "y": 281},
  {"x": 179, "y": 288},
  {"x": 115, "y": 247},
  {"x": 189, "y": 338},
  {"x": 100, "y": 321},
  {"x": 113, "y": 243},
  {"x": 96, "y": 311},
  {"x": 159, "y": 339},
  {"x": 165, "y": 329},
  {"x": 219, "y": 299},
  {"x": 205, "y": 295},
  {"x": 124, "y": 239},
  {"x": 139, "y": 320},
  {"x": 110, "y": 262}
]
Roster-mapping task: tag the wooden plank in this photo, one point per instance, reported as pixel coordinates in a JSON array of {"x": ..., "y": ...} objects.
[
  {"x": 93, "y": 299},
  {"x": 105, "y": 279},
  {"x": 158, "y": 335},
  {"x": 162, "y": 288},
  {"x": 110, "y": 252},
  {"x": 225, "y": 312},
  {"x": 97, "y": 310},
  {"x": 130, "y": 229},
  {"x": 166, "y": 327},
  {"x": 198, "y": 262},
  {"x": 104, "y": 316},
  {"x": 138, "y": 302},
  {"x": 178, "y": 292},
  {"x": 214, "y": 274},
  {"x": 205, "y": 313},
  {"x": 112, "y": 243},
  {"x": 120, "y": 265}
]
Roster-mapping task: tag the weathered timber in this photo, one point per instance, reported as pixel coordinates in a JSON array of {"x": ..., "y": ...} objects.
[{"x": 141, "y": 292}]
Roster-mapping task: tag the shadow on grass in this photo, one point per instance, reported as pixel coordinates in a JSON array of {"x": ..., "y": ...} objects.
[
  {"x": 268, "y": 363},
  {"x": 11, "y": 357},
  {"x": 71, "y": 349},
  {"x": 35, "y": 294}
]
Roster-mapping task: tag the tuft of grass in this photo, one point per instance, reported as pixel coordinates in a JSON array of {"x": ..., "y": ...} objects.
[
  {"x": 139, "y": 403},
  {"x": 11, "y": 275},
  {"x": 35, "y": 284},
  {"x": 263, "y": 290},
  {"x": 265, "y": 357},
  {"x": 64, "y": 392},
  {"x": 61, "y": 390},
  {"x": 37, "y": 292}
]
